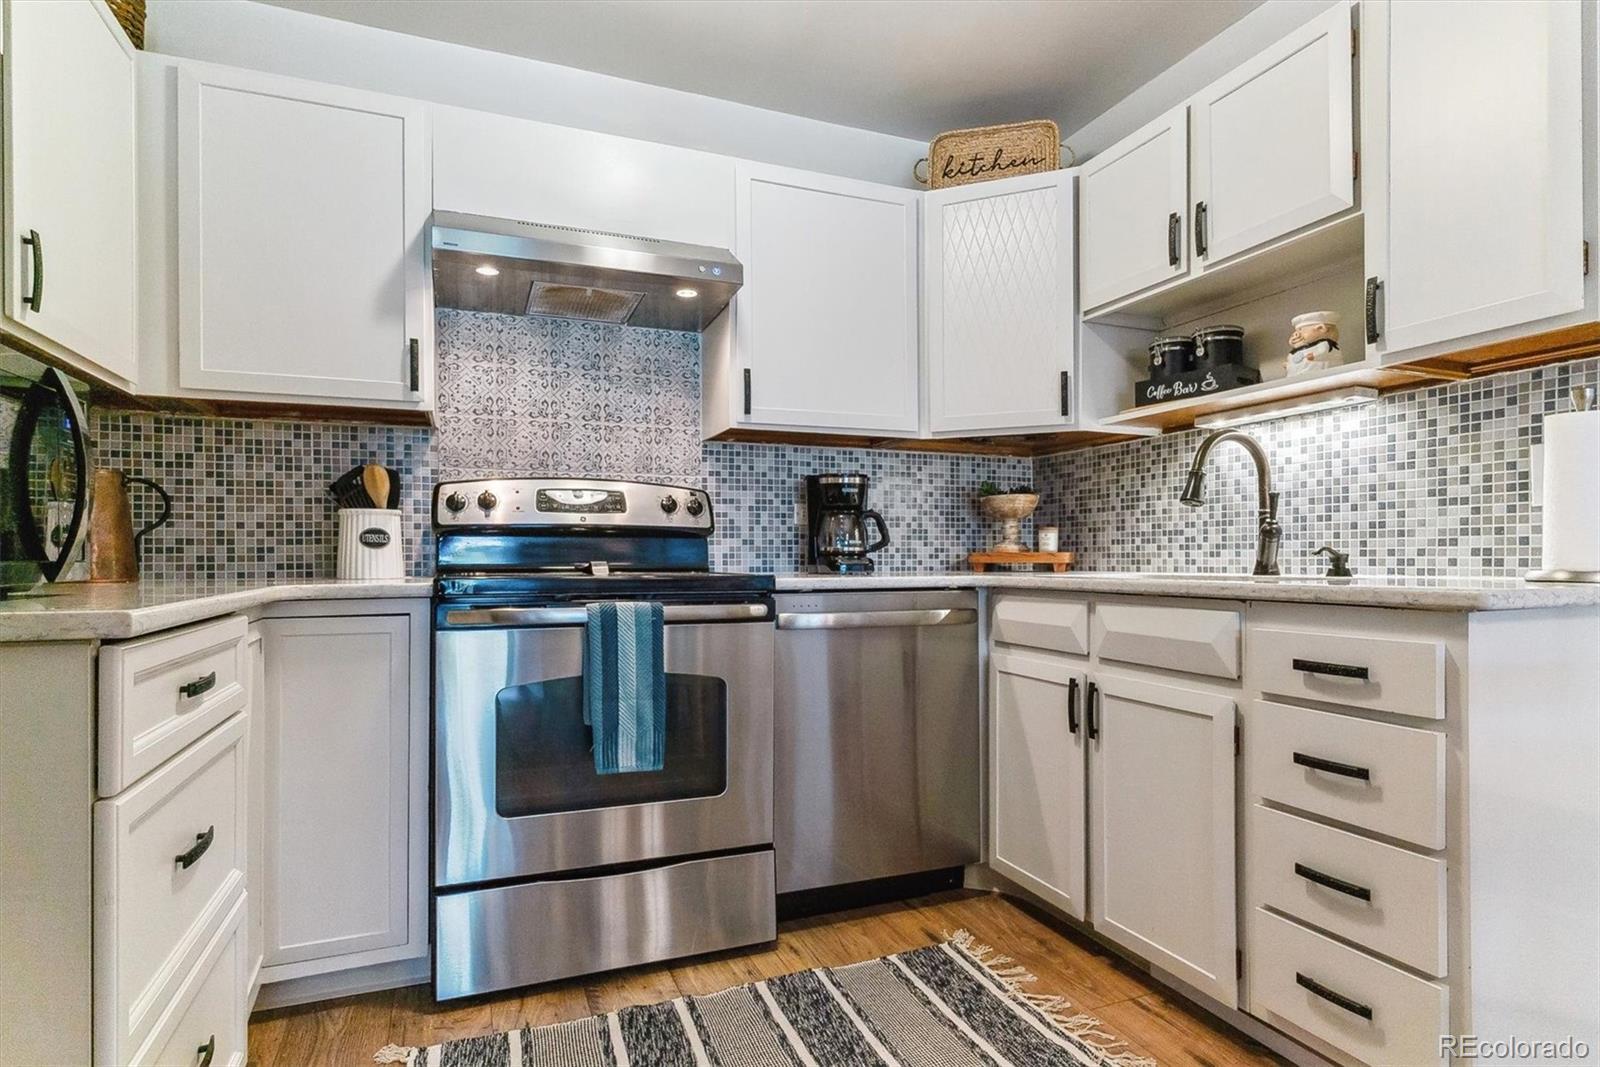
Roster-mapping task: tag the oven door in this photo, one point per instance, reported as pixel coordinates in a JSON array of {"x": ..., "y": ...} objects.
[{"x": 515, "y": 789}]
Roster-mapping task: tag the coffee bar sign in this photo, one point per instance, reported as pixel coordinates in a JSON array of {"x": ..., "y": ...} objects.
[
  {"x": 987, "y": 152},
  {"x": 1194, "y": 383}
]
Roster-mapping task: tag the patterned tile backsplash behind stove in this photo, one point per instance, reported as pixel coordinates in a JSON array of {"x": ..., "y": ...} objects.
[
  {"x": 521, "y": 396},
  {"x": 1426, "y": 482}
]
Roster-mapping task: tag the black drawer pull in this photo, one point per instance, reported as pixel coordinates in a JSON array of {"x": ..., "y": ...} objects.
[
  {"x": 1354, "y": 1007},
  {"x": 1072, "y": 705},
  {"x": 199, "y": 685},
  {"x": 1345, "y": 770},
  {"x": 1338, "y": 885},
  {"x": 206, "y": 1051},
  {"x": 201, "y": 843},
  {"x": 1174, "y": 235},
  {"x": 1092, "y": 707},
  {"x": 1338, "y": 670},
  {"x": 35, "y": 299}
]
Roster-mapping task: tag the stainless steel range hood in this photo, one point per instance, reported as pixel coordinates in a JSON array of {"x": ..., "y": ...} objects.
[{"x": 482, "y": 263}]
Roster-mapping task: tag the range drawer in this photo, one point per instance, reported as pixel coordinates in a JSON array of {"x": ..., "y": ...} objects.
[
  {"x": 1194, "y": 640},
  {"x": 207, "y": 1022},
  {"x": 168, "y": 862},
  {"x": 1377, "y": 1013},
  {"x": 158, "y": 694},
  {"x": 1402, "y": 676},
  {"x": 1389, "y": 779},
  {"x": 1382, "y": 897},
  {"x": 1045, "y": 622}
]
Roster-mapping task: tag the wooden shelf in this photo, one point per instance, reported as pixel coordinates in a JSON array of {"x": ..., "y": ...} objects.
[
  {"x": 1293, "y": 257},
  {"x": 1180, "y": 414}
]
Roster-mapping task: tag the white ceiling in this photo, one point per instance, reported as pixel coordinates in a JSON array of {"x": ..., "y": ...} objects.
[{"x": 907, "y": 67}]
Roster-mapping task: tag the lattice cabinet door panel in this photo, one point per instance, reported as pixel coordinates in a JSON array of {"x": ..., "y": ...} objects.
[{"x": 999, "y": 352}]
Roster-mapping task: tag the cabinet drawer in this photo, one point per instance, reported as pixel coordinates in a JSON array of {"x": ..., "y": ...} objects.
[
  {"x": 1196, "y": 640},
  {"x": 1377, "y": 1013},
  {"x": 1389, "y": 779},
  {"x": 153, "y": 914},
  {"x": 1391, "y": 674},
  {"x": 208, "y": 1013},
  {"x": 1041, "y": 622},
  {"x": 158, "y": 694},
  {"x": 1385, "y": 898}
]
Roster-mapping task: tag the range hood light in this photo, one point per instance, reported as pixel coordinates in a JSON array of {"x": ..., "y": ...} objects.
[
  {"x": 688, "y": 294},
  {"x": 488, "y": 271}
]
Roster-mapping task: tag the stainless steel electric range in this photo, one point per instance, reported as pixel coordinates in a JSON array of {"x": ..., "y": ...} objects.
[{"x": 543, "y": 868}]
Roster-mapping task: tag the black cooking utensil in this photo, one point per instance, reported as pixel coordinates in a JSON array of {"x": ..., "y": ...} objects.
[{"x": 348, "y": 491}]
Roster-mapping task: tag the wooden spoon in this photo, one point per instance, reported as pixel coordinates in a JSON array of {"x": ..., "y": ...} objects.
[{"x": 376, "y": 482}]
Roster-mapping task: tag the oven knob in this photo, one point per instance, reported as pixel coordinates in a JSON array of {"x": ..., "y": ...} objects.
[
  {"x": 455, "y": 502},
  {"x": 669, "y": 503},
  {"x": 694, "y": 506},
  {"x": 487, "y": 500}
]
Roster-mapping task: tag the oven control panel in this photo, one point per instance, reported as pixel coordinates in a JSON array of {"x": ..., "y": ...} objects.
[{"x": 546, "y": 502}]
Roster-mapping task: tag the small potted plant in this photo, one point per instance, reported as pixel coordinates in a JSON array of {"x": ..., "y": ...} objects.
[{"x": 1009, "y": 507}]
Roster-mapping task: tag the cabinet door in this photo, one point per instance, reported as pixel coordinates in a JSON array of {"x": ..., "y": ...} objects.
[
  {"x": 302, "y": 257},
  {"x": 255, "y": 872},
  {"x": 1133, "y": 200},
  {"x": 338, "y": 792},
  {"x": 1274, "y": 141},
  {"x": 826, "y": 324},
  {"x": 69, "y": 160},
  {"x": 1161, "y": 833},
  {"x": 1000, "y": 333},
  {"x": 1472, "y": 134},
  {"x": 1037, "y": 816}
]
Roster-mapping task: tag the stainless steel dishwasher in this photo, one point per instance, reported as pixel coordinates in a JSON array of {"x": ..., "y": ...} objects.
[{"x": 877, "y": 735}]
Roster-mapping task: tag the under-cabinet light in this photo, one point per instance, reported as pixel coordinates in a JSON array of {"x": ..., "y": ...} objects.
[{"x": 1350, "y": 396}]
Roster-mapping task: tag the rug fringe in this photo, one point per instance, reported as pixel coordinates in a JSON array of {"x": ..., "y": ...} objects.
[
  {"x": 1080, "y": 1026},
  {"x": 395, "y": 1054}
]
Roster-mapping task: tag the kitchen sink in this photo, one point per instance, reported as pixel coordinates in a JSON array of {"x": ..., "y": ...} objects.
[{"x": 1231, "y": 576}]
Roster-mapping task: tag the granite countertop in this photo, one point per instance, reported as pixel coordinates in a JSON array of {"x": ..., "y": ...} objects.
[
  {"x": 1434, "y": 594},
  {"x": 78, "y": 611}
]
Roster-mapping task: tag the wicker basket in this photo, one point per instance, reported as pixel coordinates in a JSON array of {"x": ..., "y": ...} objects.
[
  {"x": 130, "y": 13},
  {"x": 984, "y": 153}
]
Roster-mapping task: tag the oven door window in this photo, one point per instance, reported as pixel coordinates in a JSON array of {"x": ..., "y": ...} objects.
[{"x": 544, "y": 754}]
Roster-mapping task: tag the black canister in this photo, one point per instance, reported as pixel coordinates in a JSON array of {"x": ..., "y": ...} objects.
[
  {"x": 1170, "y": 357},
  {"x": 1215, "y": 346}
]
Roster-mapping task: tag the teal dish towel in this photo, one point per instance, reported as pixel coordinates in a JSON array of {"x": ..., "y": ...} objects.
[{"x": 625, "y": 686}]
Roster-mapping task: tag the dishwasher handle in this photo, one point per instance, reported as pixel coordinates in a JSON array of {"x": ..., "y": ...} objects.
[
  {"x": 861, "y": 620},
  {"x": 577, "y": 614}
]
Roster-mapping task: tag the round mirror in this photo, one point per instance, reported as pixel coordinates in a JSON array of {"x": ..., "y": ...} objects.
[{"x": 48, "y": 472}]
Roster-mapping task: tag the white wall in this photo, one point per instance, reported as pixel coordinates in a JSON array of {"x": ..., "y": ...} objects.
[
  {"x": 281, "y": 41},
  {"x": 1260, "y": 28}
]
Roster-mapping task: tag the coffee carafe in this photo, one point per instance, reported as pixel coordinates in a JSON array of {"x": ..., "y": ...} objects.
[{"x": 836, "y": 518}]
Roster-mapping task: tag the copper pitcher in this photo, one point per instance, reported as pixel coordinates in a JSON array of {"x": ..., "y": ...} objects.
[{"x": 113, "y": 546}]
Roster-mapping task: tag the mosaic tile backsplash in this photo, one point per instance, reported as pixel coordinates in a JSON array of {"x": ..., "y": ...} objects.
[
  {"x": 1425, "y": 483},
  {"x": 522, "y": 396},
  {"x": 1428, "y": 482}
]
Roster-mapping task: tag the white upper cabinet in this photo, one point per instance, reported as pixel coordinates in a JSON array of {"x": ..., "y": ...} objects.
[
  {"x": 826, "y": 324},
  {"x": 1000, "y": 332},
  {"x": 1473, "y": 142},
  {"x": 70, "y": 212},
  {"x": 302, "y": 214},
  {"x": 1161, "y": 828},
  {"x": 1037, "y": 778},
  {"x": 512, "y": 168},
  {"x": 1273, "y": 142},
  {"x": 1133, "y": 212}
]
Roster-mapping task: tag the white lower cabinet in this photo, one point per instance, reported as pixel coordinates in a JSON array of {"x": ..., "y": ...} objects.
[
  {"x": 345, "y": 766},
  {"x": 1037, "y": 766},
  {"x": 256, "y": 814},
  {"x": 1161, "y": 827},
  {"x": 209, "y": 1030}
]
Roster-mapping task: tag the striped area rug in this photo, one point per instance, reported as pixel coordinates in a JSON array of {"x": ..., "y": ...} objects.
[{"x": 955, "y": 1004}]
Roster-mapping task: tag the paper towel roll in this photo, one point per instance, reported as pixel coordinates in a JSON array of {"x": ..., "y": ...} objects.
[{"x": 1572, "y": 491}]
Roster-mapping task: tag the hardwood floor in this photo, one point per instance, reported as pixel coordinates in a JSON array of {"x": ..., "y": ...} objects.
[{"x": 1133, "y": 1008}]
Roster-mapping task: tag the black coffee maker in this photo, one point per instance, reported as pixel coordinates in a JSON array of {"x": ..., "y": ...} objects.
[{"x": 836, "y": 519}]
